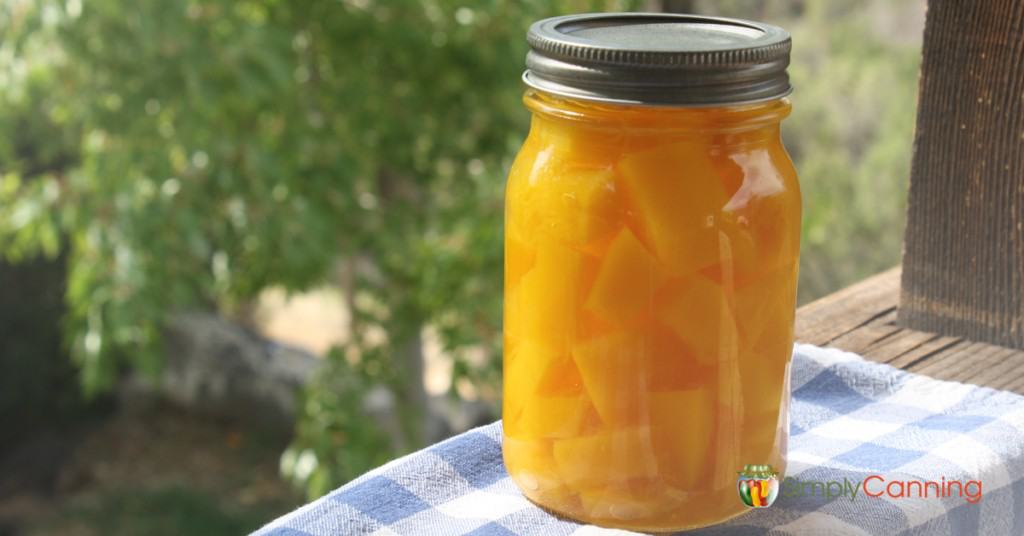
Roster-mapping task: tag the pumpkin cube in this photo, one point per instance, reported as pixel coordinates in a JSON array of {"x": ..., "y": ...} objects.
[
  {"x": 523, "y": 367},
  {"x": 699, "y": 313},
  {"x": 683, "y": 430},
  {"x": 615, "y": 374},
  {"x": 519, "y": 259},
  {"x": 531, "y": 463},
  {"x": 580, "y": 144},
  {"x": 737, "y": 254},
  {"x": 763, "y": 205},
  {"x": 551, "y": 417},
  {"x": 544, "y": 394},
  {"x": 617, "y": 455},
  {"x": 560, "y": 377},
  {"x": 544, "y": 307},
  {"x": 626, "y": 282},
  {"x": 674, "y": 194},
  {"x": 671, "y": 363},
  {"x": 624, "y": 503},
  {"x": 579, "y": 206},
  {"x": 765, "y": 311},
  {"x": 521, "y": 218}
]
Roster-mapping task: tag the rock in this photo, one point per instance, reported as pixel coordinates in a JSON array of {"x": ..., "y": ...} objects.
[
  {"x": 450, "y": 416},
  {"x": 219, "y": 367}
]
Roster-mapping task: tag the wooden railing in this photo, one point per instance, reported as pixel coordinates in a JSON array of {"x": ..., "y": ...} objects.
[
  {"x": 956, "y": 311},
  {"x": 963, "y": 261}
]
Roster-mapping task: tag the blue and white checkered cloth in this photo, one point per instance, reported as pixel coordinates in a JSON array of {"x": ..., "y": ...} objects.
[{"x": 850, "y": 419}]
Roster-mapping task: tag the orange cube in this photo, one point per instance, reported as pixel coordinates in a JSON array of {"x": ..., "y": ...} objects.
[
  {"x": 531, "y": 463},
  {"x": 525, "y": 364},
  {"x": 580, "y": 144},
  {"x": 556, "y": 406},
  {"x": 674, "y": 195},
  {"x": 579, "y": 206},
  {"x": 618, "y": 455},
  {"x": 543, "y": 307},
  {"x": 765, "y": 310},
  {"x": 699, "y": 313},
  {"x": 547, "y": 417},
  {"x": 614, "y": 371},
  {"x": 626, "y": 282},
  {"x": 764, "y": 204},
  {"x": 628, "y": 503},
  {"x": 672, "y": 364},
  {"x": 683, "y": 428},
  {"x": 519, "y": 259}
]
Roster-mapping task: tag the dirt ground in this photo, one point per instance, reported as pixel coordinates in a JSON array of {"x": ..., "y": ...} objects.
[{"x": 151, "y": 469}]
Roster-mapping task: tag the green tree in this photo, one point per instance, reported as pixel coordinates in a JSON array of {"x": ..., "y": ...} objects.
[
  {"x": 226, "y": 146},
  {"x": 201, "y": 151},
  {"x": 851, "y": 134}
]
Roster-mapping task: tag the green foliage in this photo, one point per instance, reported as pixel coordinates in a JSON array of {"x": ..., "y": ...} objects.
[
  {"x": 162, "y": 511},
  {"x": 225, "y": 146},
  {"x": 191, "y": 154},
  {"x": 334, "y": 439},
  {"x": 851, "y": 135}
]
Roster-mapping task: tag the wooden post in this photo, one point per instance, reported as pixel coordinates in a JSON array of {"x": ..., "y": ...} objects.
[{"x": 963, "y": 260}]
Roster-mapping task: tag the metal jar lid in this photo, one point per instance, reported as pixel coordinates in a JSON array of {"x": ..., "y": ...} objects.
[{"x": 658, "y": 58}]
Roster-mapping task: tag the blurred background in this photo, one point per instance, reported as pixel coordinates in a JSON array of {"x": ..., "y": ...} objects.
[{"x": 250, "y": 249}]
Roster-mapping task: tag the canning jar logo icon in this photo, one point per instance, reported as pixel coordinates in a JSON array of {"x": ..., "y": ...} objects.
[{"x": 758, "y": 485}]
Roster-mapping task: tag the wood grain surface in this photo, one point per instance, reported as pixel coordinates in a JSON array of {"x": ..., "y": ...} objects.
[
  {"x": 963, "y": 263},
  {"x": 862, "y": 319}
]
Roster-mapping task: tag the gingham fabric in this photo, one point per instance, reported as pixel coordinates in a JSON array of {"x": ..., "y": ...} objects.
[{"x": 850, "y": 419}]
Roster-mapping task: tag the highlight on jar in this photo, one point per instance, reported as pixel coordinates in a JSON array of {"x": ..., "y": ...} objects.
[{"x": 651, "y": 258}]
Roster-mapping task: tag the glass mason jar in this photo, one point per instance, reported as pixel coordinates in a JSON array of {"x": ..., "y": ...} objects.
[{"x": 652, "y": 227}]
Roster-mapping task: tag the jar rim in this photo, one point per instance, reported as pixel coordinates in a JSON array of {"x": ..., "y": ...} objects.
[{"x": 658, "y": 59}]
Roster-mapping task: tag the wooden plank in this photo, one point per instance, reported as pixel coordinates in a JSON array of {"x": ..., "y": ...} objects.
[
  {"x": 1009, "y": 378},
  {"x": 861, "y": 319},
  {"x": 958, "y": 353},
  {"x": 905, "y": 341},
  {"x": 1003, "y": 371},
  {"x": 960, "y": 361},
  {"x": 963, "y": 263},
  {"x": 875, "y": 332},
  {"x": 822, "y": 321},
  {"x": 1013, "y": 381},
  {"x": 924, "y": 353},
  {"x": 1017, "y": 386}
]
